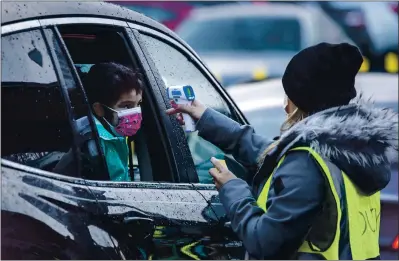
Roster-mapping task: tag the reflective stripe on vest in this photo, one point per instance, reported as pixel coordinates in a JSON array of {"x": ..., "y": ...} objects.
[{"x": 363, "y": 214}]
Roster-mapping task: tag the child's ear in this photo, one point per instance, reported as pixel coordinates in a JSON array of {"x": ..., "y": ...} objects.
[{"x": 98, "y": 109}]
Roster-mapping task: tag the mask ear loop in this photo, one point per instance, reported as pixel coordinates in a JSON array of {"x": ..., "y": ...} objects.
[
  {"x": 109, "y": 108},
  {"x": 115, "y": 111},
  {"x": 112, "y": 127}
]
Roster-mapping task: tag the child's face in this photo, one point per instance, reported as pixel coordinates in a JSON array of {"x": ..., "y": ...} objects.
[{"x": 126, "y": 101}]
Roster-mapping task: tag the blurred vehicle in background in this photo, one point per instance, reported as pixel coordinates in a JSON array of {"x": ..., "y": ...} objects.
[
  {"x": 212, "y": 3},
  {"x": 373, "y": 26},
  {"x": 243, "y": 43},
  {"x": 169, "y": 13},
  {"x": 262, "y": 104}
]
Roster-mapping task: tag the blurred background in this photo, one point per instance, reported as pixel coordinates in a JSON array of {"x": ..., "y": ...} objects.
[
  {"x": 247, "y": 45},
  {"x": 251, "y": 40}
]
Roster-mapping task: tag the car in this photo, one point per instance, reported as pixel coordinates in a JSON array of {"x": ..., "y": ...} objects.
[
  {"x": 373, "y": 26},
  {"x": 169, "y": 13},
  {"x": 165, "y": 212},
  {"x": 262, "y": 103},
  {"x": 243, "y": 43}
]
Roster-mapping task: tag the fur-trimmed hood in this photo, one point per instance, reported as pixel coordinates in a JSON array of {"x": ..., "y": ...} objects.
[{"x": 360, "y": 138}]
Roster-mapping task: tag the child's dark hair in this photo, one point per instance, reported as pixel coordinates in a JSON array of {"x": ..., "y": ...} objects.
[{"x": 106, "y": 82}]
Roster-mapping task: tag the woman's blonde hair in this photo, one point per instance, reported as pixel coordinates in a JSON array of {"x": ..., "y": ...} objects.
[{"x": 296, "y": 116}]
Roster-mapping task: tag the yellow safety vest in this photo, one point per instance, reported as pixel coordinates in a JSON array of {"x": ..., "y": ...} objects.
[{"x": 363, "y": 214}]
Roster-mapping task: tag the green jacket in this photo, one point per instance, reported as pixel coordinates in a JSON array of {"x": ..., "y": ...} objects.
[{"x": 116, "y": 153}]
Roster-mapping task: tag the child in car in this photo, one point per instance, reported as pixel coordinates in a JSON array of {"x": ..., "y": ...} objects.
[{"x": 115, "y": 93}]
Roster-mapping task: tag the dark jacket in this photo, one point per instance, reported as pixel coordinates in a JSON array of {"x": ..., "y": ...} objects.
[{"x": 360, "y": 139}]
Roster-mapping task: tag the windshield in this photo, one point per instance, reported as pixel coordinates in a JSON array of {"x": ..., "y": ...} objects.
[{"x": 243, "y": 34}]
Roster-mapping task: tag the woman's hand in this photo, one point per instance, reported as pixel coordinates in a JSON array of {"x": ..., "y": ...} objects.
[
  {"x": 220, "y": 173},
  {"x": 195, "y": 110}
]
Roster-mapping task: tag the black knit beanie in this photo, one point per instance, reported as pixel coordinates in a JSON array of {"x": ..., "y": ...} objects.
[{"x": 322, "y": 76}]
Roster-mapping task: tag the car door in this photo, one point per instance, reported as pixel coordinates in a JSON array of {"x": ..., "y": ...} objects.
[
  {"x": 177, "y": 66},
  {"x": 162, "y": 215},
  {"x": 45, "y": 215}
]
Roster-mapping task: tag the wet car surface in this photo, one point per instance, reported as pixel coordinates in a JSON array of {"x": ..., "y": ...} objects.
[{"x": 165, "y": 212}]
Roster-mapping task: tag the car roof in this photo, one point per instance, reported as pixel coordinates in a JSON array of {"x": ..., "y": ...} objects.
[
  {"x": 12, "y": 12},
  {"x": 239, "y": 10},
  {"x": 155, "y": 4},
  {"x": 21, "y": 11}
]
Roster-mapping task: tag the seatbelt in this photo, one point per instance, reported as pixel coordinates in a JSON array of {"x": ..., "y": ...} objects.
[{"x": 130, "y": 144}]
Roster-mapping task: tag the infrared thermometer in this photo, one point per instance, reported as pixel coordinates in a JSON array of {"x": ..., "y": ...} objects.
[{"x": 183, "y": 94}]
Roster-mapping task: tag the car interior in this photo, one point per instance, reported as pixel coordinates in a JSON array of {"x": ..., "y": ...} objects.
[
  {"x": 51, "y": 139},
  {"x": 88, "y": 45}
]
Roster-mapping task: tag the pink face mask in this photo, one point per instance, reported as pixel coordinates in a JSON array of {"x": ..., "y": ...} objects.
[{"x": 129, "y": 121}]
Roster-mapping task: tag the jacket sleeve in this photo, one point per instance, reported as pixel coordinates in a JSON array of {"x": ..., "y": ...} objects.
[
  {"x": 295, "y": 198},
  {"x": 228, "y": 135}
]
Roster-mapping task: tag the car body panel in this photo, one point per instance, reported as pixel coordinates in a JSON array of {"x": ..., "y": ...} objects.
[
  {"x": 234, "y": 247},
  {"x": 84, "y": 219},
  {"x": 183, "y": 220},
  {"x": 35, "y": 202}
]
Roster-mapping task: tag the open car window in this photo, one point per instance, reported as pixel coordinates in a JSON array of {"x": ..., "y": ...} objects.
[{"x": 92, "y": 44}]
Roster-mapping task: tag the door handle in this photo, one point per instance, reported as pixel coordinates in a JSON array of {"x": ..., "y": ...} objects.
[
  {"x": 139, "y": 227},
  {"x": 227, "y": 224},
  {"x": 129, "y": 220}
]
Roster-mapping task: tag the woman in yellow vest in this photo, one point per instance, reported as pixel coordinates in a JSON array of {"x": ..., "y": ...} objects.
[{"x": 316, "y": 192}]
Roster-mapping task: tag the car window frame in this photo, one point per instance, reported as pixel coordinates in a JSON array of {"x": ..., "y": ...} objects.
[
  {"x": 196, "y": 61},
  {"x": 16, "y": 28},
  {"x": 64, "y": 90},
  {"x": 156, "y": 85},
  {"x": 28, "y": 26},
  {"x": 53, "y": 22},
  {"x": 158, "y": 110},
  {"x": 79, "y": 86},
  {"x": 183, "y": 164},
  {"x": 139, "y": 57}
]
